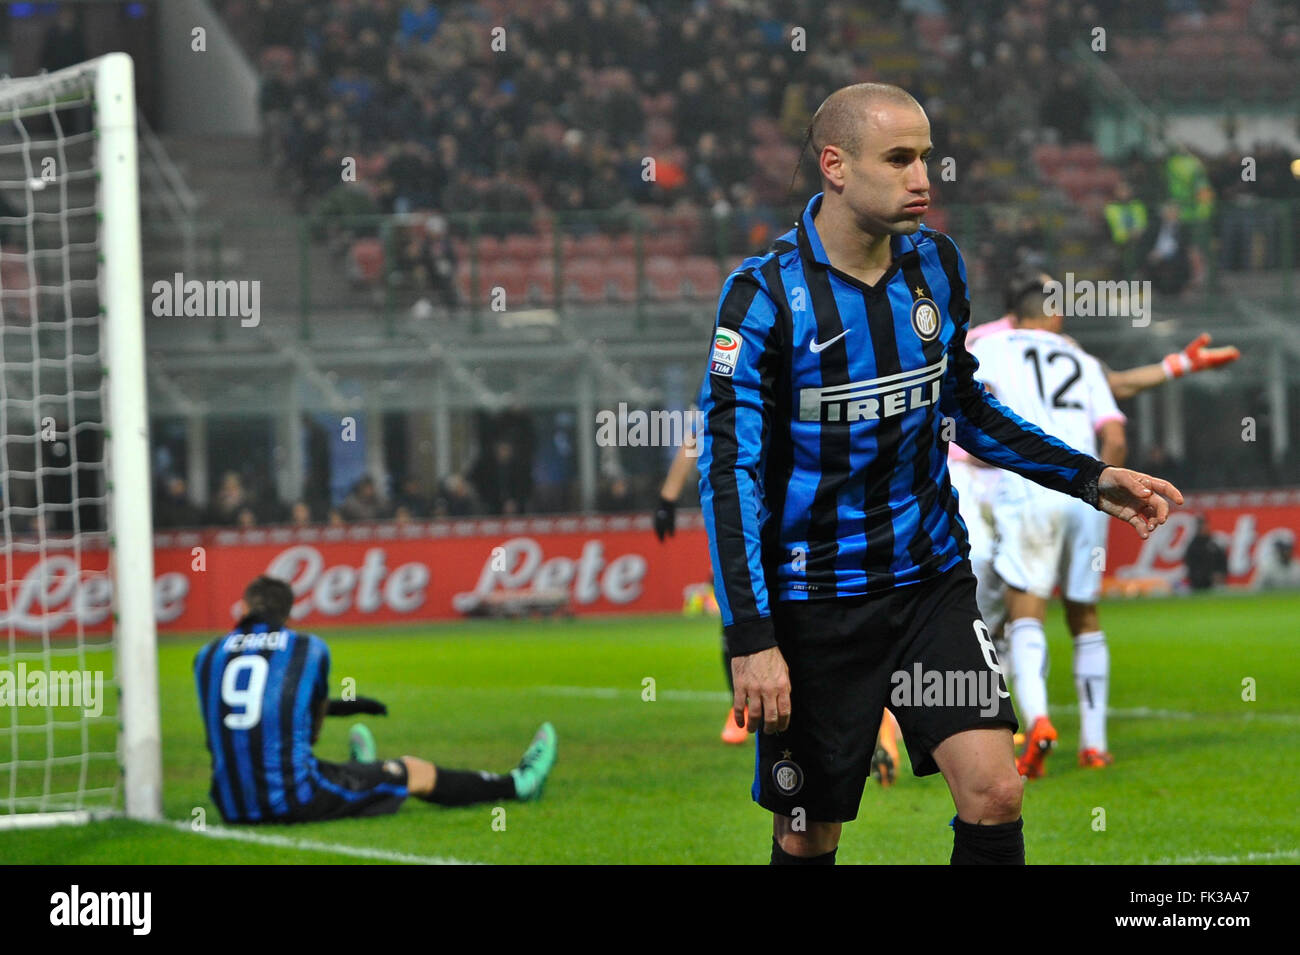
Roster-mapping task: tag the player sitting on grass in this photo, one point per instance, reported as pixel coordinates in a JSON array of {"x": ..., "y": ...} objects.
[{"x": 263, "y": 697}]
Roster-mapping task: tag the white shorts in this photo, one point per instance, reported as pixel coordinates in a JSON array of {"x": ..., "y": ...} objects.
[
  {"x": 1045, "y": 538},
  {"x": 976, "y": 487}
]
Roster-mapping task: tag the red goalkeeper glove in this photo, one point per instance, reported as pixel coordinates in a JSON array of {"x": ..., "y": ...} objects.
[{"x": 1196, "y": 357}]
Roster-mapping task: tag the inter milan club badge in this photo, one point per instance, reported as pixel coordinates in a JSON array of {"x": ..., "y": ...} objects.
[
  {"x": 925, "y": 319},
  {"x": 787, "y": 775}
]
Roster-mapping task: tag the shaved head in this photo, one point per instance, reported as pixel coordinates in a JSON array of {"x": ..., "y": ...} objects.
[
  {"x": 841, "y": 118},
  {"x": 872, "y": 143}
]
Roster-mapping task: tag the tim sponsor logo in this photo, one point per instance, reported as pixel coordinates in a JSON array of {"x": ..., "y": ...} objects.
[
  {"x": 875, "y": 398},
  {"x": 131, "y": 909}
]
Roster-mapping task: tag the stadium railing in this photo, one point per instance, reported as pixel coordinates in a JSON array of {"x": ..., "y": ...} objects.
[{"x": 642, "y": 263}]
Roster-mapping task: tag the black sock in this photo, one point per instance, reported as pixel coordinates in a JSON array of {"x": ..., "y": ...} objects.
[
  {"x": 459, "y": 787},
  {"x": 781, "y": 857},
  {"x": 1003, "y": 844}
]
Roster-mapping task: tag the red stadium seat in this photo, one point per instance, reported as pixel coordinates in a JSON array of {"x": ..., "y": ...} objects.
[
  {"x": 277, "y": 58},
  {"x": 620, "y": 279},
  {"x": 702, "y": 277},
  {"x": 366, "y": 261},
  {"x": 540, "y": 281},
  {"x": 507, "y": 274},
  {"x": 584, "y": 281},
  {"x": 525, "y": 245}
]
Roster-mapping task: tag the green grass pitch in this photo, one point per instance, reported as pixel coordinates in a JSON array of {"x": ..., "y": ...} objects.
[{"x": 1201, "y": 775}]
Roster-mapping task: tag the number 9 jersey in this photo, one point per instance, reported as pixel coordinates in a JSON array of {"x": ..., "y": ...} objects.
[{"x": 259, "y": 693}]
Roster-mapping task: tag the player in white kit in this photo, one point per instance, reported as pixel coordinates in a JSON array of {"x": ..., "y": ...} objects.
[
  {"x": 976, "y": 482},
  {"x": 1043, "y": 538}
]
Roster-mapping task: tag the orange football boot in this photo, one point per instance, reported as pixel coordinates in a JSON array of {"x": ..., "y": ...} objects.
[
  {"x": 884, "y": 762},
  {"x": 733, "y": 734},
  {"x": 1038, "y": 744},
  {"x": 1094, "y": 759}
]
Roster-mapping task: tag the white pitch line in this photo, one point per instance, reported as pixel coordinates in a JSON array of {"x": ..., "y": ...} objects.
[
  {"x": 307, "y": 845},
  {"x": 713, "y": 696},
  {"x": 1228, "y": 860},
  {"x": 1147, "y": 713},
  {"x": 614, "y": 692}
]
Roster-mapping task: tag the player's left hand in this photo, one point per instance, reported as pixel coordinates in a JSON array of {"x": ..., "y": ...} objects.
[
  {"x": 1196, "y": 357},
  {"x": 1136, "y": 498}
]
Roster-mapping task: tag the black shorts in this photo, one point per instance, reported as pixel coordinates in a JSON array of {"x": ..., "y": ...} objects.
[
  {"x": 922, "y": 650},
  {"x": 354, "y": 789}
]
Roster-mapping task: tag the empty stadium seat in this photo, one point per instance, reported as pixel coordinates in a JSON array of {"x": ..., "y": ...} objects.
[{"x": 366, "y": 261}]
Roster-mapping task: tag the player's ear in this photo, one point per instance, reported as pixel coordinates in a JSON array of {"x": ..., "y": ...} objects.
[{"x": 832, "y": 165}]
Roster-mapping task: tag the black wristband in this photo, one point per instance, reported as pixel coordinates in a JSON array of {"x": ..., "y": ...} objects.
[
  {"x": 750, "y": 636},
  {"x": 1087, "y": 490}
]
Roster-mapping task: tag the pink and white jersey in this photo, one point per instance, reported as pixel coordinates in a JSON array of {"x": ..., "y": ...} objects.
[
  {"x": 1050, "y": 381},
  {"x": 974, "y": 334}
]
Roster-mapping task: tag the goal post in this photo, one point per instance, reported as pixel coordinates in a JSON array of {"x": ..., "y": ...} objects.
[
  {"x": 127, "y": 442},
  {"x": 75, "y": 486}
]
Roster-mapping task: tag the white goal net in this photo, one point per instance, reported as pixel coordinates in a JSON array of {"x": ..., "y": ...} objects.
[{"x": 79, "y": 724}]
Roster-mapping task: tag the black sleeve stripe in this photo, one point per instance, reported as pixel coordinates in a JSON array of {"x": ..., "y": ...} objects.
[
  {"x": 288, "y": 692},
  {"x": 779, "y": 464},
  {"x": 834, "y": 452},
  {"x": 728, "y": 518}
]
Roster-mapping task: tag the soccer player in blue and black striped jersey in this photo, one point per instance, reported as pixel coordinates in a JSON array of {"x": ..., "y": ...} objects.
[
  {"x": 837, "y": 378},
  {"x": 263, "y": 697}
]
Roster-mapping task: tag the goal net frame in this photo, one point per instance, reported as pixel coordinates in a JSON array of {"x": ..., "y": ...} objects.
[{"x": 127, "y": 485}]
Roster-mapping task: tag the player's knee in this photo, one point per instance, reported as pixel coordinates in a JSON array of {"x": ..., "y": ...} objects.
[
  {"x": 1081, "y": 618},
  {"x": 998, "y": 799}
]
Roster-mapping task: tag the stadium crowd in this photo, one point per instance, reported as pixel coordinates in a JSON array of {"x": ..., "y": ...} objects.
[
  {"x": 525, "y": 111},
  {"x": 557, "y": 112}
]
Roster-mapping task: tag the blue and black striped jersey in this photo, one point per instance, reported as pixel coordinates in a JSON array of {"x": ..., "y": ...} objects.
[
  {"x": 827, "y": 409},
  {"x": 259, "y": 691}
]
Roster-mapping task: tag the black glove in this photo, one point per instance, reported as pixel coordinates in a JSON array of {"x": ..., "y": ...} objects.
[
  {"x": 665, "y": 518},
  {"x": 362, "y": 704}
]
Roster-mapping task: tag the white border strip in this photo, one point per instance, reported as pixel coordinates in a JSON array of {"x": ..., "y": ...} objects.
[
  {"x": 308, "y": 845},
  {"x": 1242, "y": 859}
]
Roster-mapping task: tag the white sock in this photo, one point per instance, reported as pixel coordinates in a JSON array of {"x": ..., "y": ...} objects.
[
  {"x": 1092, "y": 680},
  {"x": 1029, "y": 664}
]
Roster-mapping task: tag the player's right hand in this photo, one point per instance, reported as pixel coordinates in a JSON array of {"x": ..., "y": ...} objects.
[
  {"x": 665, "y": 518},
  {"x": 762, "y": 683}
]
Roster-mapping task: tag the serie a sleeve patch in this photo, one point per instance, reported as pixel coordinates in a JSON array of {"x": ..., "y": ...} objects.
[{"x": 726, "y": 349}]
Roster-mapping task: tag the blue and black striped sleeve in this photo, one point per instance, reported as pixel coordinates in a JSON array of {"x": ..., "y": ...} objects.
[
  {"x": 735, "y": 409},
  {"x": 989, "y": 429}
]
